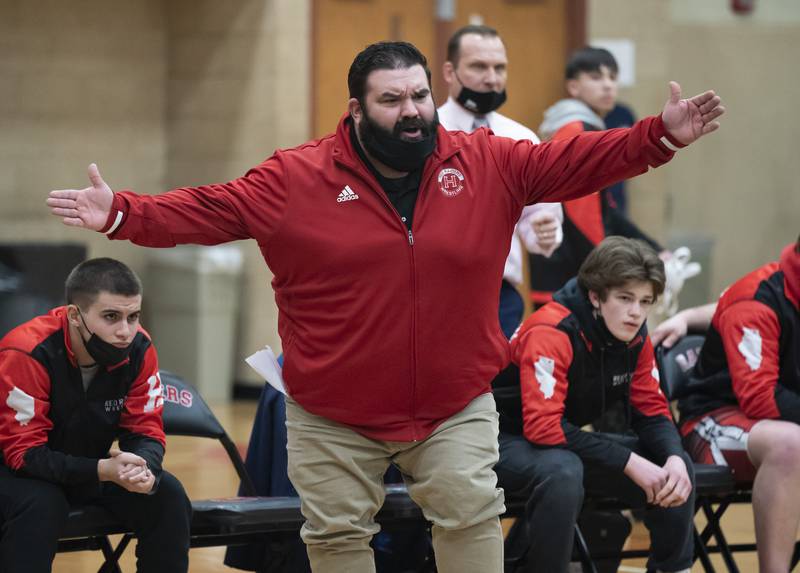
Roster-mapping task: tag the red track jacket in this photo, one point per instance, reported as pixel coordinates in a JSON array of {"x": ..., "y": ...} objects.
[
  {"x": 53, "y": 429},
  {"x": 385, "y": 330}
]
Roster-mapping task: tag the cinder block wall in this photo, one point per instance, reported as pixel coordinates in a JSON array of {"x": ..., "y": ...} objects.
[
  {"x": 740, "y": 187},
  {"x": 159, "y": 93},
  {"x": 79, "y": 82}
]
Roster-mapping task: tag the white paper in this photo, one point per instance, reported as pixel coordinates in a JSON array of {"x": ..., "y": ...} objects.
[{"x": 266, "y": 364}]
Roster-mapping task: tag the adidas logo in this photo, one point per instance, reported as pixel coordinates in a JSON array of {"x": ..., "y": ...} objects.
[{"x": 347, "y": 194}]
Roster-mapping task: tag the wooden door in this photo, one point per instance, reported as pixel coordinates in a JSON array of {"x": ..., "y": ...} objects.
[
  {"x": 342, "y": 28},
  {"x": 538, "y": 36}
]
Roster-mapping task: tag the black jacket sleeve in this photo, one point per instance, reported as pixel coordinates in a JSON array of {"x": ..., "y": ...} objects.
[
  {"x": 594, "y": 448},
  {"x": 148, "y": 448},
  {"x": 650, "y": 415},
  {"x": 43, "y": 463},
  {"x": 659, "y": 435}
]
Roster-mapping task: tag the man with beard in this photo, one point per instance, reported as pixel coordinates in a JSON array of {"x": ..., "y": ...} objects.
[
  {"x": 476, "y": 71},
  {"x": 387, "y": 242}
]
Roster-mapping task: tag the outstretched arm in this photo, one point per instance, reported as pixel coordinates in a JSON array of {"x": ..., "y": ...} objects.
[
  {"x": 560, "y": 170},
  {"x": 251, "y": 206}
]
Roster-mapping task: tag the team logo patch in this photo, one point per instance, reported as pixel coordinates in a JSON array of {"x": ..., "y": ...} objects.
[
  {"x": 451, "y": 182},
  {"x": 23, "y": 404},
  {"x": 543, "y": 369},
  {"x": 750, "y": 347}
]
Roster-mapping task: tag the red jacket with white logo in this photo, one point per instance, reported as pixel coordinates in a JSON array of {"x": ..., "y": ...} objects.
[
  {"x": 751, "y": 355},
  {"x": 53, "y": 429},
  {"x": 572, "y": 369},
  {"x": 385, "y": 330}
]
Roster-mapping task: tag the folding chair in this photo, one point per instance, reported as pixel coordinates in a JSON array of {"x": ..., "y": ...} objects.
[
  {"x": 674, "y": 365},
  {"x": 715, "y": 486},
  {"x": 218, "y": 521},
  {"x": 214, "y": 522}
]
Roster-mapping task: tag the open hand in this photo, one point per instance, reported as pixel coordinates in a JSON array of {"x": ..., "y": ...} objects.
[
  {"x": 670, "y": 331},
  {"x": 689, "y": 119},
  {"x": 88, "y": 207}
]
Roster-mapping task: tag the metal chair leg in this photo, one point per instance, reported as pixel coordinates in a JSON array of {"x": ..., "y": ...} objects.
[
  {"x": 583, "y": 552},
  {"x": 111, "y": 564},
  {"x": 716, "y": 530}
]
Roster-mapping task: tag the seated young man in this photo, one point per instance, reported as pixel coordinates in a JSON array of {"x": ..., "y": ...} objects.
[
  {"x": 577, "y": 356},
  {"x": 744, "y": 405},
  {"x": 71, "y": 382},
  {"x": 590, "y": 80}
]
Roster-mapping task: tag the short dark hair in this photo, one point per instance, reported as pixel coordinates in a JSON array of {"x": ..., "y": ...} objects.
[
  {"x": 618, "y": 260},
  {"x": 91, "y": 277},
  {"x": 382, "y": 56},
  {"x": 589, "y": 59},
  {"x": 454, "y": 44}
]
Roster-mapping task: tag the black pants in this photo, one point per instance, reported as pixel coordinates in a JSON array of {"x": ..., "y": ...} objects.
[
  {"x": 555, "y": 480},
  {"x": 33, "y": 513}
]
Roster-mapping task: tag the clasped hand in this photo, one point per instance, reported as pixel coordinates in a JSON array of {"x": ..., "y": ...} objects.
[
  {"x": 127, "y": 470},
  {"x": 667, "y": 486}
]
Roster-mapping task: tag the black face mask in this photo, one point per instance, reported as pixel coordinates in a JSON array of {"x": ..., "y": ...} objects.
[
  {"x": 104, "y": 353},
  {"x": 391, "y": 150},
  {"x": 480, "y": 102}
]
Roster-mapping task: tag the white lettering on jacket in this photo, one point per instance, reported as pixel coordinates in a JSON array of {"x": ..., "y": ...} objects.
[
  {"x": 750, "y": 347},
  {"x": 22, "y": 404},
  {"x": 543, "y": 369}
]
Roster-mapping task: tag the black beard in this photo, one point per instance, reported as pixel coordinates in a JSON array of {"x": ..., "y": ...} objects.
[{"x": 391, "y": 149}]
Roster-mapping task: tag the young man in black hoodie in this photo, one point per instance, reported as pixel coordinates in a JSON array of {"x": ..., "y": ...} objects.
[{"x": 578, "y": 355}]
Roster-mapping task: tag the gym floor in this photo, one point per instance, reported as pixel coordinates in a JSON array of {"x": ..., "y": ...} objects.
[{"x": 203, "y": 468}]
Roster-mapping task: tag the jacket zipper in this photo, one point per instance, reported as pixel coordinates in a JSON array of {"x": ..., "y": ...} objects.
[
  {"x": 413, "y": 336},
  {"x": 410, "y": 238}
]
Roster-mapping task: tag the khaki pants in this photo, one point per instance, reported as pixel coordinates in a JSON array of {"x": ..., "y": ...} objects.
[{"x": 339, "y": 476}]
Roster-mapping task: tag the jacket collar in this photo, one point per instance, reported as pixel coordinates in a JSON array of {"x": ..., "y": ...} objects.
[
  {"x": 61, "y": 312},
  {"x": 790, "y": 265}
]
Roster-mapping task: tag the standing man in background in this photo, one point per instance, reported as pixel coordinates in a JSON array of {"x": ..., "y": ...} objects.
[{"x": 476, "y": 71}]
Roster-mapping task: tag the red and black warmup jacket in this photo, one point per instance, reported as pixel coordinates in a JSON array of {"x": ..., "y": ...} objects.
[
  {"x": 751, "y": 355},
  {"x": 587, "y": 221},
  {"x": 571, "y": 370},
  {"x": 50, "y": 428}
]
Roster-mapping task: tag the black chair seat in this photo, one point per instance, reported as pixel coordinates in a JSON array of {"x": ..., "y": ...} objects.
[
  {"x": 283, "y": 513},
  {"x": 90, "y": 521},
  {"x": 713, "y": 480},
  {"x": 265, "y": 513}
]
